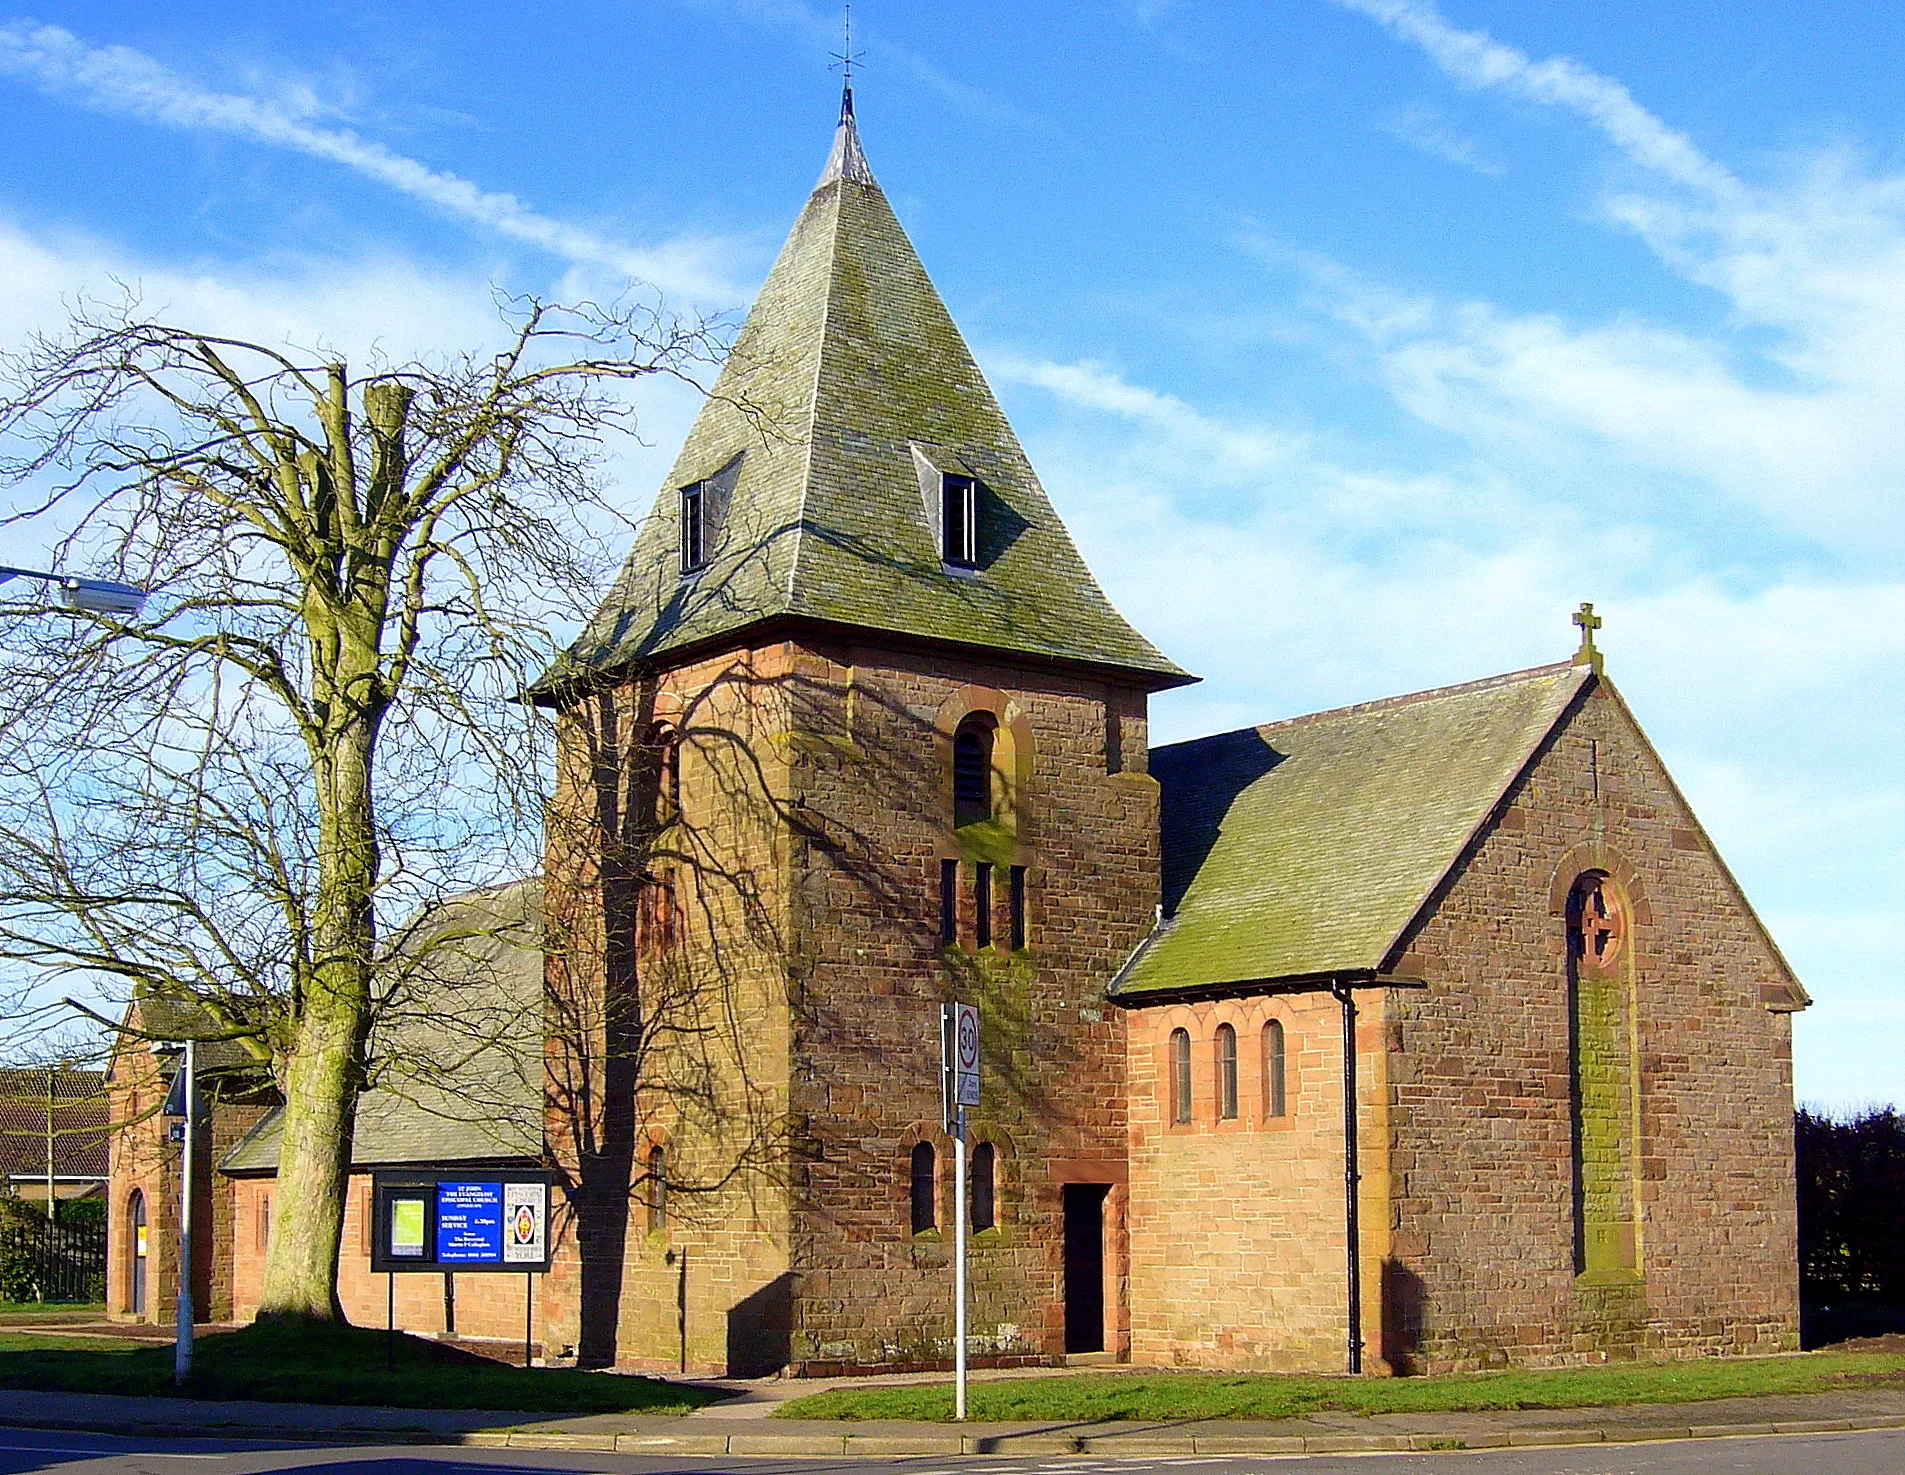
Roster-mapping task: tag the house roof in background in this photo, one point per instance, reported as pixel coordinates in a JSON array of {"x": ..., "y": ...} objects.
[{"x": 80, "y": 1119}]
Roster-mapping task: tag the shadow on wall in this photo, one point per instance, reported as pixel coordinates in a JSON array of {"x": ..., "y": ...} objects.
[{"x": 761, "y": 1330}]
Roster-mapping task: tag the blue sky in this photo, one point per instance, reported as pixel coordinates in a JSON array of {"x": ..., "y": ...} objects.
[{"x": 1357, "y": 340}]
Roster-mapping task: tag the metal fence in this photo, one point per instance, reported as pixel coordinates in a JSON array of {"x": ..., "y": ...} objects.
[{"x": 48, "y": 1261}]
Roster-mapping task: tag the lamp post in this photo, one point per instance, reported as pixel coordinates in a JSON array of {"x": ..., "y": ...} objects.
[
  {"x": 87, "y": 596},
  {"x": 178, "y": 1103}
]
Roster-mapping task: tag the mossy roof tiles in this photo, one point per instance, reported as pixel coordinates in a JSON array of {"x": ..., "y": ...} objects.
[
  {"x": 1305, "y": 848},
  {"x": 847, "y": 361}
]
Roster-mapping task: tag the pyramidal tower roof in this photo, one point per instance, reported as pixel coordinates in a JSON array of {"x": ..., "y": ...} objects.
[{"x": 849, "y": 395}]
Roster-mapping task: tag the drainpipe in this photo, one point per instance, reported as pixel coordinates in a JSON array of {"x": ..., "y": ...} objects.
[{"x": 1352, "y": 1231}]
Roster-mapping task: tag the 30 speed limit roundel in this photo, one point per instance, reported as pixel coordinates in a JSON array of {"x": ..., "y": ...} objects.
[{"x": 968, "y": 1041}]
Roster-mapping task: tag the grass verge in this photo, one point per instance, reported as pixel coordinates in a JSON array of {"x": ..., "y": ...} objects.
[
  {"x": 49, "y": 1313},
  {"x": 279, "y": 1363},
  {"x": 30, "y": 1342},
  {"x": 1164, "y": 1396}
]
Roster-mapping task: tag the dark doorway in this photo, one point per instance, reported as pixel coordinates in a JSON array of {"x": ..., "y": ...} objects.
[
  {"x": 1085, "y": 1266},
  {"x": 137, "y": 1215}
]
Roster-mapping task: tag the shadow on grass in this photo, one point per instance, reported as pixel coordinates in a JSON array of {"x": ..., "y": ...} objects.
[{"x": 294, "y": 1363}]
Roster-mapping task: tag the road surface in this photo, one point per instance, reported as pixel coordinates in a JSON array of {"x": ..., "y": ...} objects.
[{"x": 26, "y": 1451}]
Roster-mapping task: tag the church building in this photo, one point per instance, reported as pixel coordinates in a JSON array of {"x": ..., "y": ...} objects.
[{"x": 1423, "y": 1034}]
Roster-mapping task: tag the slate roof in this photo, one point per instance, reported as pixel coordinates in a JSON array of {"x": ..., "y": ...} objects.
[
  {"x": 81, "y": 1123},
  {"x": 1305, "y": 848},
  {"x": 178, "y": 1019},
  {"x": 463, "y": 1042},
  {"x": 848, "y": 393}
]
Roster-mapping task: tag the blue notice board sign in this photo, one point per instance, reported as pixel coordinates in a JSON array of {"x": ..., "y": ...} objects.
[{"x": 469, "y": 1223}]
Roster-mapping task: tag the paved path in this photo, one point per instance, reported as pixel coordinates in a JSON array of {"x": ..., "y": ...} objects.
[{"x": 1323, "y": 1433}]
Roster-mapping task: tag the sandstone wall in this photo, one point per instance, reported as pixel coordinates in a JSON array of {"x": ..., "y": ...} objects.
[
  {"x": 1483, "y": 1265},
  {"x": 872, "y": 783}
]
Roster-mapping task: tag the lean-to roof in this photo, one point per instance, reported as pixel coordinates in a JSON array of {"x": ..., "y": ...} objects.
[{"x": 460, "y": 1047}]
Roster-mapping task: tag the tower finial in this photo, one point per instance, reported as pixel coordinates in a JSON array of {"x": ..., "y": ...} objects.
[
  {"x": 843, "y": 61},
  {"x": 846, "y": 161},
  {"x": 1589, "y": 622}
]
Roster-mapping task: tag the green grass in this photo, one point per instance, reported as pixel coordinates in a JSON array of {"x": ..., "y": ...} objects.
[
  {"x": 1086, "y": 1397},
  {"x": 49, "y": 1313},
  {"x": 337, "y": 1365},
  {"x": 28, "y": 1342}
]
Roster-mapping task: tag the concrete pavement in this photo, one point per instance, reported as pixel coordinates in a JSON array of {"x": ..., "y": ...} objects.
[{"x": 1875, "y": 1408}]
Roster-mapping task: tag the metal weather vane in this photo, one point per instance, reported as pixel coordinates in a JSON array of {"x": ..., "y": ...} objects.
[{"x": 843, "y": 60}]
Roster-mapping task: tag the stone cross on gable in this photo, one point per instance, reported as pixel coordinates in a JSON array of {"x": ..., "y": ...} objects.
[{"x": 1589, "y": 622}]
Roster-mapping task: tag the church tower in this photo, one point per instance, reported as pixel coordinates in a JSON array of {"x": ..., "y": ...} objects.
[{"x": 854, "y": 734}]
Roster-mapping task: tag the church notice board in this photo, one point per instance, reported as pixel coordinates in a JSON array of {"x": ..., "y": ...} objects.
[{"x": 460, "y": 1219}]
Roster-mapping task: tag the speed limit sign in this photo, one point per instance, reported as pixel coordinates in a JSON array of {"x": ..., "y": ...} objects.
[
  {"x": 967, "y": 1059},
  {"x": 959, "y": 1046}
]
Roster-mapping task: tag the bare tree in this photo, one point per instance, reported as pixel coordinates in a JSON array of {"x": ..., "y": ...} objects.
[{"x": 317, "y": 721}]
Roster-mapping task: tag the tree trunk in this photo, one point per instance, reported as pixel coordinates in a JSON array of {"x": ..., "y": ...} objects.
[{"x": 325, "y": 1071}]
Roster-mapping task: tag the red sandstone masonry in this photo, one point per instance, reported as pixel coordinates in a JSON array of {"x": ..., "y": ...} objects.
[
  {"x": 822, "y": 775},
  {"x": 1464, "y": 1120},
  {"x": 1483, "y": 1219}
]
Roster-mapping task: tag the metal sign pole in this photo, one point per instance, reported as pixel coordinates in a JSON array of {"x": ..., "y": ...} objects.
[
  {"x": 182, "y": 1346},
  {"x": 959, "y": 1084},
  {"x": 959, "y": 1265}
]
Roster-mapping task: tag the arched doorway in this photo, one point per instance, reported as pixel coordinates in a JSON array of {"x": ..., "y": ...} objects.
[{"x": 136, "y": 1219}]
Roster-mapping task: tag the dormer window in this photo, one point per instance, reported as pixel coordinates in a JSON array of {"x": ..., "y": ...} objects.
[
  {"x": 694, "y": 526},
  {"x": 959, "y": 521},
  {"x": 704, "y": 508}
]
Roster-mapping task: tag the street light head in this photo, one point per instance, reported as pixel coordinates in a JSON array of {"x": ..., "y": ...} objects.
[{"x": 102, "y": 597}]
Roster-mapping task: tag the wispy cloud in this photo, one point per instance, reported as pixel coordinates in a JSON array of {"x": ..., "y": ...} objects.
[
  {"x": 119, "y": 79},
  {"x": 1786, "y": 406},
  {"x": 1097, "y": 387},
  {"x": 1476, "y": 59},
  {"x": 1421, "y": 127}
]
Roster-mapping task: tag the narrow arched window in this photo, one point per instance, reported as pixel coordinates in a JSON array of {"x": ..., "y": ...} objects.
[
  {"x": 1180, "y": 1076},
  {"x": 1275, "y": 1100},
  {"x": 657, "y": 917},
  {"x": 972, "y": 772},
  {"x": 984, "y": 1204},
  {"x": 1226, "y": 1073},
  {"x": 925, "y": 1196},
  {"x": 657, "y": 1189}
]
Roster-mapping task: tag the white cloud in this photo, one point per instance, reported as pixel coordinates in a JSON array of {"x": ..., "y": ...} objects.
[
  {"x": 1094, "y": 386},
  {"x": 1788, "y": 406},
  {"x": 118, "y": 79},
  {"x": 1773, "y": 701},
  {"x": 1477, "y": 60},
  {"x": 1422, "y": 128}
]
